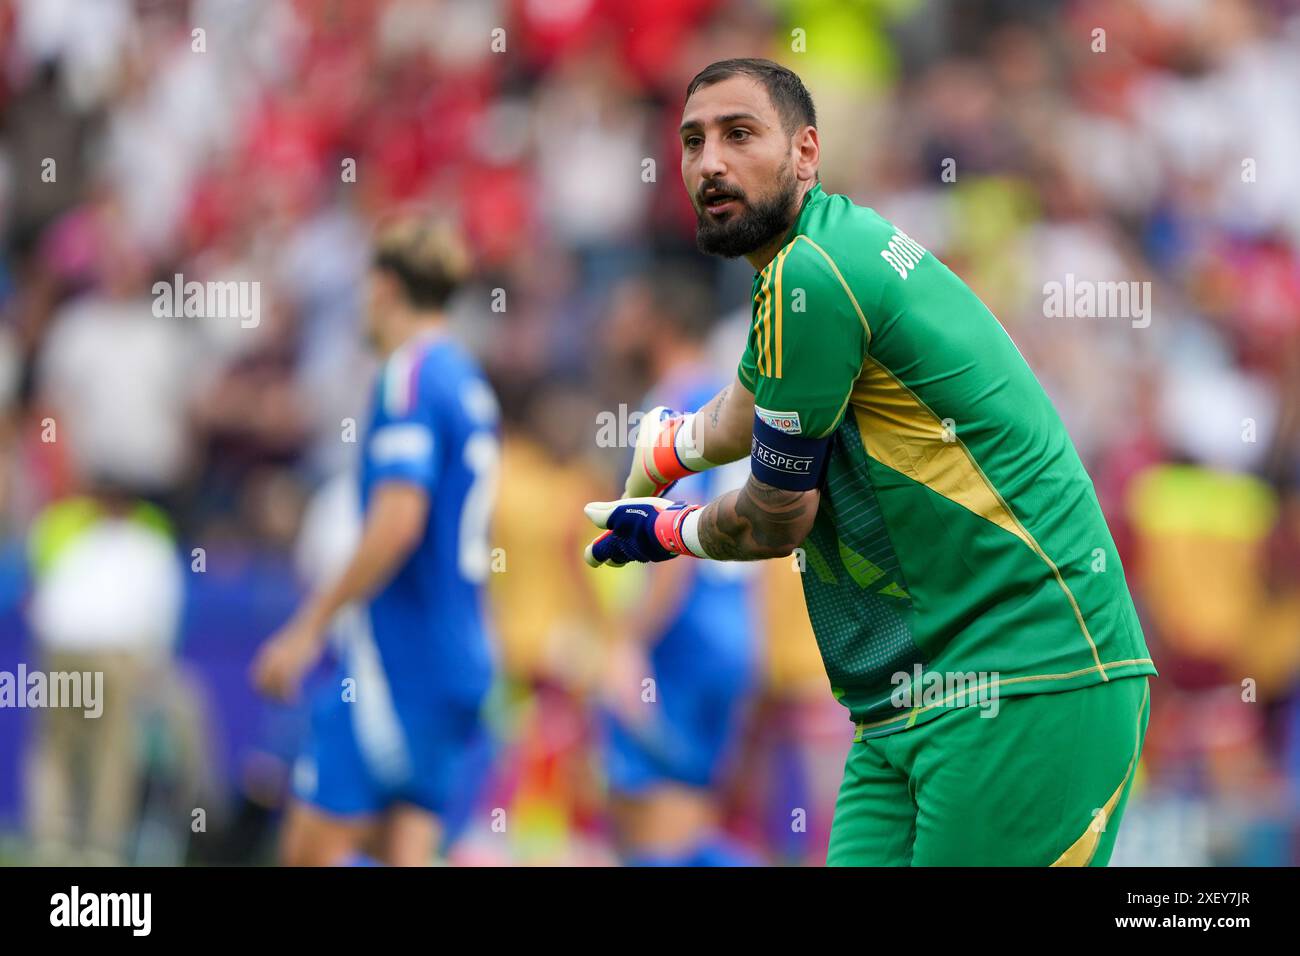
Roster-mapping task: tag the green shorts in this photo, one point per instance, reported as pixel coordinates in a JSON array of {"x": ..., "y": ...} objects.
[{"x": 1042, "y": 782}]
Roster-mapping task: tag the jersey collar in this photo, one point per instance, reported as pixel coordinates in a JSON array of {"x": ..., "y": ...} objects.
[{"x": 811, "y": 198}]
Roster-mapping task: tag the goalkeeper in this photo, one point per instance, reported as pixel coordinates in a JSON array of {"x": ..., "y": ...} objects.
[{"x": 966, "y": 594}]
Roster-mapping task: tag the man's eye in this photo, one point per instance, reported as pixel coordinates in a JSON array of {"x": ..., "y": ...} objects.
[
  {"x": 742, "y": 134},
  {"x": 693, "y": 142}
]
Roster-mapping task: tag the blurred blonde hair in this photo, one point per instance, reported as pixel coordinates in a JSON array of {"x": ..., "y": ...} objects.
[{"x": 428, "y": 255}]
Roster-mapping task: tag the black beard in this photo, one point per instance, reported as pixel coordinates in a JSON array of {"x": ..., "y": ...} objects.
[{"x": 750, "y": 229}]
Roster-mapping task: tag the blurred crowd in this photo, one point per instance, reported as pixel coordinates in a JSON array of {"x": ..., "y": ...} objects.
[{"x": 260, "y": 140}]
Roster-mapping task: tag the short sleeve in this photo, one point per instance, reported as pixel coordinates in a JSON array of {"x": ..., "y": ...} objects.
[
  {"x": 404, "y": 443},
  {"x": 807, "y": 342}
]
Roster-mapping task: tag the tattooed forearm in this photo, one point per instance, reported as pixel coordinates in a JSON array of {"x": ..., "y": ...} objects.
[
  {"x": 724, "y": 425},
  {"x": 757, "y": 521},
  {"x": 717, "y": 405}
]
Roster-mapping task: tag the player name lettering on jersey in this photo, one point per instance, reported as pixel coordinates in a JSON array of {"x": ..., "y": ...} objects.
[{"x": 903, "y": 253}]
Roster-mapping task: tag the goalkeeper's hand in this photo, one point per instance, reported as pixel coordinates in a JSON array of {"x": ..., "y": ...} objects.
[
  {"x": 637, "y": 529},
  {"x": 656, "y": 463}
]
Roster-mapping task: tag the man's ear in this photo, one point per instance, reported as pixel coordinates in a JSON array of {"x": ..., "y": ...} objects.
[
  {"x": 808, "y": 154},
  {"x": 386, "y": 288}
]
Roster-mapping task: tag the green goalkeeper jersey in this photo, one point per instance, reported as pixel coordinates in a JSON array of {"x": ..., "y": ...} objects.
[{"x": 959, "y": 547}]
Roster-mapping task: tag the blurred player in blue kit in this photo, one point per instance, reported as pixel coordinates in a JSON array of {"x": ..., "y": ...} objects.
[
  {"x": 667, "y": 753},
  {"x": 396, "y": 738}
]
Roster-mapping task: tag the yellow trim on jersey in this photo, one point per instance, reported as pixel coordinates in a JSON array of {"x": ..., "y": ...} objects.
[
  {"x": 780, "y": 263},
  {"x": 762, "y": 302},
  {"x": 768, "y": 317},
  {"x": 903, "y": 433},
  {"x": 1082, "y": 850},
  {"x": 767, "y": 329}
]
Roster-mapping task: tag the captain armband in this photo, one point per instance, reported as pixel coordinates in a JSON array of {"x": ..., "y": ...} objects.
[{"x": 790, "y": 462}]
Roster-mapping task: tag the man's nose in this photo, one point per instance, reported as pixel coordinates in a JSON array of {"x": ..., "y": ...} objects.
[{"x": 712, "y": 164}]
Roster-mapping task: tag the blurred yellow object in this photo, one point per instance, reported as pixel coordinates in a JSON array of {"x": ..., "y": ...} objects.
[
  {"x": 845, "y": 45},
  {"x": 794, "y": 664},
  {"x": 548, "y": 610},
  {"x": 1272, "y": 654},
  {"x": 1191, "y": 500},
  {"x": 63, "y": 521},
  {"x": 990, "y": 215},
  {"x": 1201, "y": 535}
]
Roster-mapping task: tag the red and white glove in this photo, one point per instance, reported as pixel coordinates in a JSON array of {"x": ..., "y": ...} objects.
[{"x": 656, "y": 462}]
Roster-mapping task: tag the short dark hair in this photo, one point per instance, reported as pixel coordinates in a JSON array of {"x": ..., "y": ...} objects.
[
  {"x": 788, "y": 94},
  {"x": 428, "y": 258}
]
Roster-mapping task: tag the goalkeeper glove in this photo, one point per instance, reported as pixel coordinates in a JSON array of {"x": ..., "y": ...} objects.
[
  {"x": 656, "y": 462},
  {"x": 638, "y": 529}
]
